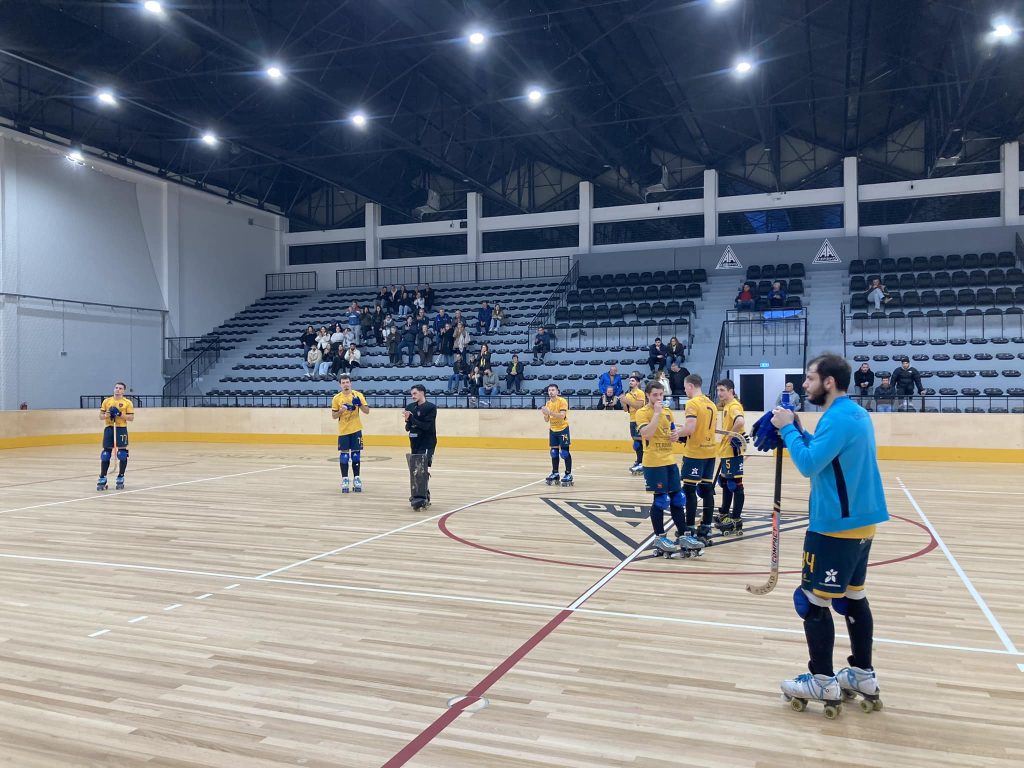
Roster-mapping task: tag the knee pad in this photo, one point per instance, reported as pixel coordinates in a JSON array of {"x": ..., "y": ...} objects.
[
  {"x": 105, "y": 454},
  {"x": 678, "y": 500},
  {"x": 661, "y": 501},
  {"x": 554, "y": 453},
  {"x": 343, "y": 457},
  {"x": 706, "y": 490},
  {"x": 637, "y": 445},
  {"x": 808, "y": 607},
  {"x": 564, "y": 453},
  {"x": 689, "y": 490},
  {"x": 122, "y": 454},
  {"x": 355, "y": 455},
  {"x": 734, "y": 484}
]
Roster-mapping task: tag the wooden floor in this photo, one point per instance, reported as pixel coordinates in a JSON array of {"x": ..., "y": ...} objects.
[{"x": 232, "y": 608}]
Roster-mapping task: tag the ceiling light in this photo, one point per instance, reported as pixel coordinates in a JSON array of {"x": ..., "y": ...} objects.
[
  {"x": 722, "y": 2},
  {"x": 274, "y": 72},
  {"x": 359, "y": 120},
  {"x": 1002, "y": 29},
  {"x": 743, "y": 66},
  {"x": 477, "y": 38},
  {"x": 210, "y": 139},
  {"x": 154, "y": 7},
  {"x": 535, "y": 95},
  {"x": 106, "y": 97},
  {"x": 76, "y": 156}
]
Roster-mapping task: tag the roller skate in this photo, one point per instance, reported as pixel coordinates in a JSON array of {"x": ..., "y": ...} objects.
[
  {"x": 690, "y": 546},
  {"x": 567, "y": 480},
  {"x": 636, "y": 469},
  {"x": 101, "y": 484},
  {"x": 729, "y": 526},
  {"x": 344, "y": 485},
  {"x": 418, "y": 503},
  {"x": 119, "y": 483},
  {"x": 663, "y": 546},
  {"x": 357, "y": 485},
  {"x": 808, "y": 687},
  {"x": 703, "y": 534},
  {"x": 552, "y": 479},
  {"x": 855, "y": 682}
]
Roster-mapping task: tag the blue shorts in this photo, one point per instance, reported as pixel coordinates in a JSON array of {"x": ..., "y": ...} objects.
[
  {"x": 732, "y": 467},
  {"x": 351, "y": 442},
  {"x": 559, "y": 439},
  {"x": 662, "y": 479},
  {"x": 634, "y": 431},
  {"x": 108, "y": 437},
  {"x": 698, "y": 470},
  {"x": 831, "y": 566}
]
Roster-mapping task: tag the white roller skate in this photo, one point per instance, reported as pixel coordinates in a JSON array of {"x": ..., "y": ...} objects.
[
  {"x": 664, "y": 546},
  {"x": 344, "y": 485},
  {"x": 636, "y": 469},
  {"x": 690, "y": 546},
  {"x": 808, "y": 687},
  {"x": 855, "y": 682},
  {"x": 357, "y": 485},
  {"x": 567, "y": 480},
  {"x": 553, "y": 478},
  {"x": 119, "y": 483},
  {"x": 101, "y": 484}
]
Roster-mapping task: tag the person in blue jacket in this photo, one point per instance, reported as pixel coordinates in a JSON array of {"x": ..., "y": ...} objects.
[{"x": 846, "y": 504}]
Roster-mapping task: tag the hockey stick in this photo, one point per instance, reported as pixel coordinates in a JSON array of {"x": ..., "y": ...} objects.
[{"x": 773, "y": 577}]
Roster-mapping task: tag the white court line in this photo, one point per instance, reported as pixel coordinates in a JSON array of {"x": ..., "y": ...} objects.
[
  {"x": 1005, "y": 638},
  {"x": 172, "y": 606},
  {"x": 99, "y": 632},
  {"x": 119, "y": 494},
  {"x": 137, "y": 619},
  {"x": 203, "y": 597},
  {"x": 486, "y": 601},
  {"x": 232, "y": 586},
  {"x": 395, "y": 530}
]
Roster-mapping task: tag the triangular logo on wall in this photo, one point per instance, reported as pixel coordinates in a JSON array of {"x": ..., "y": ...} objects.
[
  {"x": 827, "y": 255},
  {"x": 729, "y": 259}
]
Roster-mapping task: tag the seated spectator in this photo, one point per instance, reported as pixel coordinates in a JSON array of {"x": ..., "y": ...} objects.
[
  {"x": 428, "y": 297},
  {"x": 338, "y": 363},
  {"x": 458, "y": 378},
  {"x": 425, "y": 345},
  {"x": 776, "y": 296},
  {"x": 745, "y": 298},
  {"x": 323, "y": 338},
  {"x": 878, "y": 294},
  {"x": 391, "y": 340},
  {"x": 365, "y": 325},
  {"x": 440, "y": 319},
  {"x": 675, "y": 352},
  {"x": 885, "y": 396},
  {"x": 657, "y": 354},
  {"x": 483, "y": 317},
  {"x": 353, "y": 319},
  {"x": 863, "y": 381},
  {"x": 676, "y": 379},
  {"x": 497, "y": 318},
  {"x": 337, "y": 337},
  {"x": 609, "y": 400},
  {"x": 610, "y": 378},
  {"x": 418, "y": 302},
  {"x": 382, "y": 297},
  {"x": 404, "y": 302},
  {"x": 352, "y": 357},
  {"x": 407, "y": 340},
  {"x": 662, "y": 378},
  {"x": 514, "y": 374},
  {"x": 462, "y": 339},
  {"x": 394, "y": 300},
  {"x": 541, "y": 345},
  {"x": 326, "y": 360},
  {"x": 313, "y": 359},
  {"x": 307, "y": 340},
  {"x": 484, "y": 358},
  {"x": 446, "y": 343},
  {"x": 788, "y": 397},
  {"x": 476, "y": 380},
  {"x": 488, "y": 383},
  {"x": 347, "y": 337}
]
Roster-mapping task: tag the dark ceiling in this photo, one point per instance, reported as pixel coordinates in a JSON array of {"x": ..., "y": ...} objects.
[{"x": 634, "y": 85}]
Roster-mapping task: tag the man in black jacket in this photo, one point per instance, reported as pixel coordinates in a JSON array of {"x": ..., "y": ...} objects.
[
  {"x": 905, "y": 379},
  {"x": 676, "y": 379},
  {"x": 863, "y": 380},
  {"x": 656, "y": 356},
  {"x": 421, "y": 424},
  {"x": 885, "y": 396}
]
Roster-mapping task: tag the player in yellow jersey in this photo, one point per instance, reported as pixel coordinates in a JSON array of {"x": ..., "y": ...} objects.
[
  {"x": 658, "y": 430},
  {"x": 346, "y": 407},
  {"x": 556, "y": 414},
  {"x": 730, "y": 451},
  {"x": 115, "y": 413},
  {"x": 631, "y": 402},
  {"x": 699, "y": 457}
]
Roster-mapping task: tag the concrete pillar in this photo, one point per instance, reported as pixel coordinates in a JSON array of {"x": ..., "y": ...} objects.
[
  {"x": 1009, "y": 155},
  {"x": 851, "y": 211},
  {"x": 586, "y": 216},
  {"x": 372, "y": 213},
  {"x": 710, "y": 207},
  {"x": 474, "y": 238}
]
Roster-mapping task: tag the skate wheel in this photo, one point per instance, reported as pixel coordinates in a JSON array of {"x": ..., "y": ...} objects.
[
  {"x": 832, "y": 711},
  {"x": 798, "y": 705},
  {"x": 867, "y": 706}
]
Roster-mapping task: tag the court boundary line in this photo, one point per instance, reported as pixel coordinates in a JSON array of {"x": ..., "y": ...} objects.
[{"x": 992, "y": 620}]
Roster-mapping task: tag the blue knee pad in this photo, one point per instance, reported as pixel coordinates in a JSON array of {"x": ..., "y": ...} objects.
[
  {"x": 564, "y": 453},
  {"x": 841, "y": 605},
  {"x": 637, "y": 445},
  {"x": 661, "y": 501},
  {"x": 732, "y": 484},
  {"x": 355, "y": 456},
  {"x": 805, "y": 609},
  {"x": 343, "y": 458},
  {"x": 122, "y": 454},
  {"x": 554, "y": 453},
  {"x": 706, "y": 489},
  {"x": 105, "y": 454},
  {"x": 678, "y": 500}
]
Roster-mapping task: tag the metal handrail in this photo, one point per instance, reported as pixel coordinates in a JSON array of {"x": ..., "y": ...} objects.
[
  {"x": 454, "y": 272},
  {"x": 205, "y": 359},
  {"x": 106, "y": 304},
  {"x": 558, "y": 298},
  {"x": 283, "y": 282}
]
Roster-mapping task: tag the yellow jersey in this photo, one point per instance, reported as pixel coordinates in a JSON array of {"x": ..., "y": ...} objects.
[
  {"x": 557, "y": 422},
  {"x": 701, "y": 444},
  {"x": 121, "y": 403},
  {"x": 348, "y": 421},
  {"x": 658, "y": 449},
  {"x": 635, "y": 399},
  {"x": 730, "y": 412}
]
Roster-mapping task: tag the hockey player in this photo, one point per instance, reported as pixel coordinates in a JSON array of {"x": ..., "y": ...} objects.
[
  {"x": 632, "y": 401},
  {"x": 345, "y": 408},
  {"x": 730, "y": 452},
  {"x": 556, "y": 414},
  {"x": 699, "y": 457},
  {"x": 115, "y": 413}
]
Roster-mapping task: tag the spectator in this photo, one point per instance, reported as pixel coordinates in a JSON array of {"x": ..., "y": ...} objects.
[
  {"x": 407, "y": 341},
  {"x": 609, "y": 400},
  {"x": 347, "y": 337},
  {"x": 383, "y": 298},
  {"x": 789, "y": 396},
  {"x": 483, "y": 317},
  {"x": 338, "y": 363},
  {"x": 353, "y": 320},
  {"x": 514, "y": 375},
  {"x": 541, "y": 345},
  {"x": 776, "y": 296},
  {"x": 326, "y": 360},
  {"x": 471, "y": 361},
  {"x": 488, "y": 383},
  {"x": 352, "y": 358},
  {"x": 476, "y": 380},
  {"x": 662, "y": 378},
  {"x": 404, "y": 304},
  {"x": 418, "y": 303},
  {"x": 462, "y": 339},
  {"x": 745, "y": 298},
  {"x": 906, "y": 378},
  {"x": 307, "y": 340},
  {"x": 394, "y": 300},
  {"x": 457, "y": 320},
  {"x": 676, "y": 378},
  {"x": 392, "y": 340},
  {"x": 428, "y": 297},
  {"x": 484, "y": 360},
  {"x": 337, "y": 335},
  {"x": 878, "y": 294},
  {"x": 863, "y": 380},
  {"x": 323, "y": 338},
  {"x": 313, "y": 359},
  {"x": 885, "y": 396},
  {"x": 446, "y": 343},
  {"x": 365, "y": 325},
  {"x": 425, "y": 345},
  {"x": 440, "y": 320},
  {"x": 458, "y": 377},
  {"x": 378, "y": 324},
  {"x": 610, "y": 378},
  {"x": 497, "y": 318},
  {"x": 675, "y": 353},
  {"x": 408, "y": 297},
  {"x": 656, "y": 356}
]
